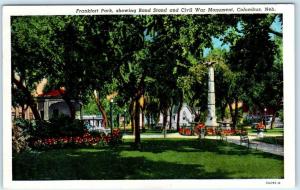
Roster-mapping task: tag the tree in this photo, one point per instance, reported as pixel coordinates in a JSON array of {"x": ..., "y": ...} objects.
[
  {"x": 253, "y": 56},
  {"x": 178, "y": 44},
  {"x": 32, "y": 54}
]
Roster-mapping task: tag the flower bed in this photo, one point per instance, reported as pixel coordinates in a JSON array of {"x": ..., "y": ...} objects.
[
  {"x": 260, "y": 127},
  {"x": 199, "y": 128},
  {"x": 86, "y": 139},
  {"x": 186, "y": 131},
  {"x": 189, "y": 131}
]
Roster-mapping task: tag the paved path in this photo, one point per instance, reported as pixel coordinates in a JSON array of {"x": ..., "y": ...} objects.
[{"x": 265, "y": 147}]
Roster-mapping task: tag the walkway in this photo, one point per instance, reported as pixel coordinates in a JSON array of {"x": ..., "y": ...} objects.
[{"x": 265, "y": 147}]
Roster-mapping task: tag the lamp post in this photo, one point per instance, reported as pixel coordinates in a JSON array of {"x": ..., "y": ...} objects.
[
  {"x": 124, "y": 121},
  {"x": 265, "y": 117},
  {"x": 211, "y": 120},
  {"x": 111, "y": 115}
]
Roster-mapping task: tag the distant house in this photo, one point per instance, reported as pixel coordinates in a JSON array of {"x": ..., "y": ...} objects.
[
  {"x": 19, "y": 112},
  {"x": 93, "y": 120},
  {"x": 51, "y": 105},
  {"x": 186, "y": 116}
]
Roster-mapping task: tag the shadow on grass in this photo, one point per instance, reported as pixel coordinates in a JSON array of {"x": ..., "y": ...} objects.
[
  {"x": 107, "y": 163},
  {"x": 75, "y": 165},
  {"x": 195, "y": 145}
]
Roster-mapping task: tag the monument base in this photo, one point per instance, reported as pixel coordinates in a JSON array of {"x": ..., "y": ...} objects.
[{"x": 211, "y": 123}]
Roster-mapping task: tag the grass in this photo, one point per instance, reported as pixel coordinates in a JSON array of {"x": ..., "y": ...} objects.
[
  {"x": 274, "y": 131},
  {"x": 271, "y": 140},
  {"x": 157, "y": 159}
]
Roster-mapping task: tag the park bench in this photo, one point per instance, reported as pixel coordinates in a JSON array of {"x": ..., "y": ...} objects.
[{"x": 245, "y": 139}]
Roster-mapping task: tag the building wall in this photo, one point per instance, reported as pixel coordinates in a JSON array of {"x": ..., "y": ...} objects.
[
  {"x": 58, "y": 106},
  {"x": 16, "y": 112},
  {"x": 61, "y": 107},
  {"x": 186, "y": 116}
]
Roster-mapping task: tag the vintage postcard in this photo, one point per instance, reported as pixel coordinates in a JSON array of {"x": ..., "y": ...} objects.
[{"x": 148, "y": 96}]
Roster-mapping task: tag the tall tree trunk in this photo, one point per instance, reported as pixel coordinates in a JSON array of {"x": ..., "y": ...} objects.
[
  {"x": 23, "y": 112},
  {"x": 236, "y": 114},
  {"x": 165, "y": 119},
  {"x": 232, "y": 113},
  {"x": 100, "y": 108},
  {"x": 143, "y": 120},
  {"x": 137, "y": 139},
  {"x": 178, "y": 112},
  {"x": 148, "y": 117},
  {"x": 223, "y": 109},
  {"x": 231, "y": 110},
  {"x": 170, "y": 117},
  {"x": 132, "y": 119},
  {"x": 142, "y": 110},
  {"x": 30, "y": 100},
  {"x": 273, "y": 118},
  {"x": 71, "y": 106},
  {"x": 132, "y": 115}
]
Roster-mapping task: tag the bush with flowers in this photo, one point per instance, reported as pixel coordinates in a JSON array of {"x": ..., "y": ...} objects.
[
  {"x": 63, "y": 132},
  {"x": 260, "y": 127},
  {"x": 199, "y": 128},
  {"x": 85, "y": 140},
  {"x": 186, "y": 131}
]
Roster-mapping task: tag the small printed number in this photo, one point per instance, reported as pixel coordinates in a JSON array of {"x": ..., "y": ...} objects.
[{"x": 273, "y": 182}]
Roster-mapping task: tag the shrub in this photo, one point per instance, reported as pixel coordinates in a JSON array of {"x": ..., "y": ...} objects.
[
  {"x": 42, "y": 129},
  {"x": 65, "y": 126},
  {"x": 22, "y": 123},
  {"x": 115, "y": 138},
  {"x": 19, "y": 139}
]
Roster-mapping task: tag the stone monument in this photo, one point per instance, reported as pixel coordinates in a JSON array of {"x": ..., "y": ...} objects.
[{"x": 211, "y": 120}]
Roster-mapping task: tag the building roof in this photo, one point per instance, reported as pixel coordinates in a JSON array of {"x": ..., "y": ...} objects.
[
  {"x": 176, "y": 107},
  {"x": 52, "y": 93}
]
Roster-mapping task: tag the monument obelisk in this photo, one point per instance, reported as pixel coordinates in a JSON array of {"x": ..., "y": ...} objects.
[{"x": 211, "y": 120}]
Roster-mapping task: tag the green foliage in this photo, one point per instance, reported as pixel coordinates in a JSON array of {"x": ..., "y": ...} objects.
[
  {"x": 68, "y": 127},
  {"x": 281, "y": 115},
  {"x": 155, "y": 56},
  {"x": 253, "y": 56},
  {"x": 61, "y": 126},
  {"x": 23, "y": 123},
  {"x": 90, "y": 108}
]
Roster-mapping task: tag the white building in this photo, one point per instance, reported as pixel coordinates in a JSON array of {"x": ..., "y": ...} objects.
[
  {"x": 93, "y": 120},
  {"x": 186, "y": 116},
  {"x": 51, "y": 105}
]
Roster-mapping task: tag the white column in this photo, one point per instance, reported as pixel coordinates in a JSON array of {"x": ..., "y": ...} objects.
[
  {"x": 211, "y": 120},
  {"x": 46, "y": 109}
]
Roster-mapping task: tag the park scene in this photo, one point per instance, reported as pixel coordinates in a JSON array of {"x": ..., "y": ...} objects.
[{"x": 115, "y": 97}]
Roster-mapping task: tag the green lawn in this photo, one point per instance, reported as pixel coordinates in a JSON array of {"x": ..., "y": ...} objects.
[
  {"x": 271, "y": 140},
  {"x": 157, "y": 159},
  {"x": 274, "y": 131}
]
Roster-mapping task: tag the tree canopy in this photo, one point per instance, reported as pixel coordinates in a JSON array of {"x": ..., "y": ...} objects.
[{"x": 150, "y": 63}]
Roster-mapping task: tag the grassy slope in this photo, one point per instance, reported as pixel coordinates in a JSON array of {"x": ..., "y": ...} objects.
[{"x": 158, "y": 159}]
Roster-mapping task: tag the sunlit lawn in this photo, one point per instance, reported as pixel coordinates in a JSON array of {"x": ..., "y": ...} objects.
[
  {"x": 274, "y": 131},
  {"x": 157, "y": 159}
]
